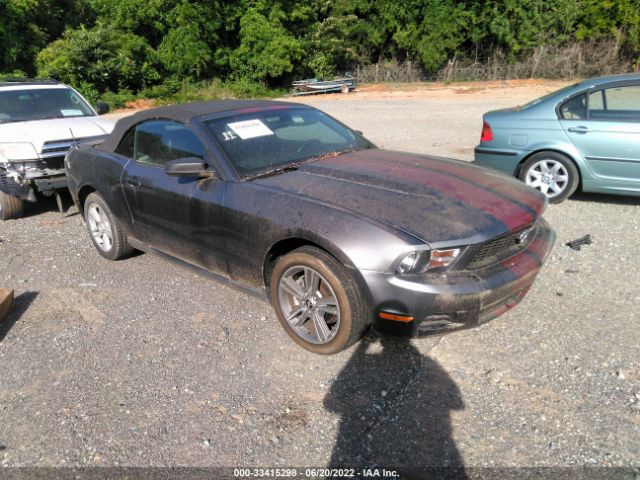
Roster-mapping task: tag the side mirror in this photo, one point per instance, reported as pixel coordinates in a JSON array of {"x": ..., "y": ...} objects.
[
  {"x": 189, "y": 167},
  {"x": 102, "y": 108}
]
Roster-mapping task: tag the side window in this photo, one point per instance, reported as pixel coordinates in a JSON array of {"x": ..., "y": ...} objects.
[
  {"x": 596, "y": 101},
  {"x": 158, "y": 141},
  {"x": 125, "y": 148},
  {"x": 620, "y": 104},
  {"x": 574, "y": 108}
]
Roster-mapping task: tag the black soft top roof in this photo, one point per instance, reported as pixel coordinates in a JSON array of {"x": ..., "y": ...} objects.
[{"x": 184, "y": 113}]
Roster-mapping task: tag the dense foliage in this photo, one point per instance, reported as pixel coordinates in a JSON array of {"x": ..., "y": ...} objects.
[{"x": 139, "y": 45}]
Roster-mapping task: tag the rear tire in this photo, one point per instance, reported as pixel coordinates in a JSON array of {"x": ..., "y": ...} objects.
[
  {"x": 317, "y": 301},
  {"x": 105, "y": 230},
  {"x": 552, "y": 174},
  {"x": 10, "y": 207}
]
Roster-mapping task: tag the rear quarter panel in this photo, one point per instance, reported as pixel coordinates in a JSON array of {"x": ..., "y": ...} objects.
[
  {"x": 88, "y": 168},
  {"x": 528, "y": 132}
]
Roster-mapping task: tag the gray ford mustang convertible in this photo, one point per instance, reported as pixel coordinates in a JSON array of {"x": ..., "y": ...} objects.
[{"x": 288, "y": 203}]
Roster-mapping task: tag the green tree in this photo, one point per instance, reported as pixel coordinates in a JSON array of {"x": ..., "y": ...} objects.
[
  {"x": 20, "y": 37},
  {"x": 100, "y": 58},
  {"x": 26, "y": 26},
  {"x": 266, "y": 50}
]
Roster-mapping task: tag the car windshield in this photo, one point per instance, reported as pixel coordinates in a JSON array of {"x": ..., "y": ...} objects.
[
  {"x": 278, "y": 138},
  {"x": 41, "y": 103},
  {"x": 548, "y": 95}
]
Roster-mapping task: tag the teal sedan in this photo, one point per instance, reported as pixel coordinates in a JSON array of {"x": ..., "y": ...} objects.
[{"x": 585, "y": 136}]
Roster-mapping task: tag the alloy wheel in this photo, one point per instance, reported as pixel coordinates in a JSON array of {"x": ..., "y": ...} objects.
[
  {"x": 100, "y": 227},
  {"x": 548, "y": 176},
  {"x": 309, "y": 304}
]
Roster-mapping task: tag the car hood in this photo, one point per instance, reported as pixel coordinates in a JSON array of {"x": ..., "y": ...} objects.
[
  {"x": 435, "y": 199},
  {"x": 38, "y": 132}
]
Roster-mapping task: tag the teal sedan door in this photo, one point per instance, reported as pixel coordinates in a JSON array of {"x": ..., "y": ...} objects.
[{"x": 608, "y": 136}]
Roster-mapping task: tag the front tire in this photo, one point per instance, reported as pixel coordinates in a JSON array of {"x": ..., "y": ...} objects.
[
  {"x": 10, "y": 207},
  {"x": 552, "y": 174},
  {"x": 317, "y": 301},
  {"x": 104, "y": 228}
]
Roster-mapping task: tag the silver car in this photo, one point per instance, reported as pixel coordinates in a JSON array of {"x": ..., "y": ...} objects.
[{"x": 585, "y": 136}]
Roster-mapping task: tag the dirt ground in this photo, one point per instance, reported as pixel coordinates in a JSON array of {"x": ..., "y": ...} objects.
[
  {"x": 508, "y": 89},
  {"x": 448, "y": 91}
]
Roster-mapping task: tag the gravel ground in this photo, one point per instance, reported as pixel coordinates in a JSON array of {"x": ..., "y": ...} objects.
[{"x": 140, "y": 363}]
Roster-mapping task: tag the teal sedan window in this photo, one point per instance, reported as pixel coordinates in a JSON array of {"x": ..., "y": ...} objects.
[
  {"x": 545, "y": 97},
  {"x": 575, "y": 108},
  {"x": 618, "y": 104}
]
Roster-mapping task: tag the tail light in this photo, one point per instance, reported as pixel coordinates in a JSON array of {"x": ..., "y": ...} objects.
[{"x": 487, "y": 133}]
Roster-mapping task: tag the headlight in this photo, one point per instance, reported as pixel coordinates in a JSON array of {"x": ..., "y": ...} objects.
[
  {"x": 419, "y": 261},
  {"x": 17, "y": 151}
]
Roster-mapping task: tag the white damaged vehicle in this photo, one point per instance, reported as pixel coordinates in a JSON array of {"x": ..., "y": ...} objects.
[{"x": 40, "y": 120}]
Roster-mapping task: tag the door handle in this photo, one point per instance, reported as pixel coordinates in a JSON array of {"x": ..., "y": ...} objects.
[
  {"x": 132, "y": 182},
  {"x": 579, "y": 129}
]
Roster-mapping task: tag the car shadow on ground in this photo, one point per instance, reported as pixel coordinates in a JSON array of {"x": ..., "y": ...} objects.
[
  {"x": 20, "y": 305},
  {"x": 605, "y": 198},
  {"x": 394, "y": 405}
]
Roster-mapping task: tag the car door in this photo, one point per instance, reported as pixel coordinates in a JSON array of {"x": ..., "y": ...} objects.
[
  {"x": 609, "y": 135},
  {"x": 181, "y": 216}
]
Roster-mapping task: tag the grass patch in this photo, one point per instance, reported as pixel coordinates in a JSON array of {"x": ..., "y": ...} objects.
[{"x": 172, "y": 92}]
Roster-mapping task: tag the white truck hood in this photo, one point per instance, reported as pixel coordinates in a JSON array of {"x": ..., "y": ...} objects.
[{"x": 38, "y": 132}]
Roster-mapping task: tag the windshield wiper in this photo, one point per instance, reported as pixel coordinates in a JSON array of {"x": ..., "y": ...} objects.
[{"x": 292, "y": 167}]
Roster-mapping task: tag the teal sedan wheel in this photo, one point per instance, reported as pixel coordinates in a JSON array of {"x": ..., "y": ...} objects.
[{"x": 552, "y": 174}]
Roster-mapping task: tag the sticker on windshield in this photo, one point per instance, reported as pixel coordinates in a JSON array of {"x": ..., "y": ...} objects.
[
  {"x": 250, "y": 129},
  {"x": 71, "y": 112}
]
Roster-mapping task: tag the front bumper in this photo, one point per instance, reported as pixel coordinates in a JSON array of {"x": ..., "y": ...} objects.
[
  {"x": 38, "y": 175},
  {"x": 440, "y": 303},
  {"x": 504, "y": 160}
]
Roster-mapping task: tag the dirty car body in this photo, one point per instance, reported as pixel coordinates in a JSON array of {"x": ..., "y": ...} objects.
[{"x": 431, "y": 244}]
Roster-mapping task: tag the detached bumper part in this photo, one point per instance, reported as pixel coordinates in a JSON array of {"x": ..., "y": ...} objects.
[
  {"x": 6, "y": 301},
  {"x": 49, "y": 185}
]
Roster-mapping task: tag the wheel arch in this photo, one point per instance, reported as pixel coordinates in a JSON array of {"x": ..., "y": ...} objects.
[
  {"x": 293, "y": 242},
  {"x": 83, "y": 193}
]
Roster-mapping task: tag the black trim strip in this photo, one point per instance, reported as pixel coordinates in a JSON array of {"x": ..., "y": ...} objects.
[
  {"x": 495, "y": 152},
  {"x": 604, "y": 159}
]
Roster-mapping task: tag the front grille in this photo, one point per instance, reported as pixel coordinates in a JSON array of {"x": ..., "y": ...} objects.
[
  {"x": 56, "y": 149},
  {"x": 53, "y": 153},
  {"x": 501, "y": 248}
]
